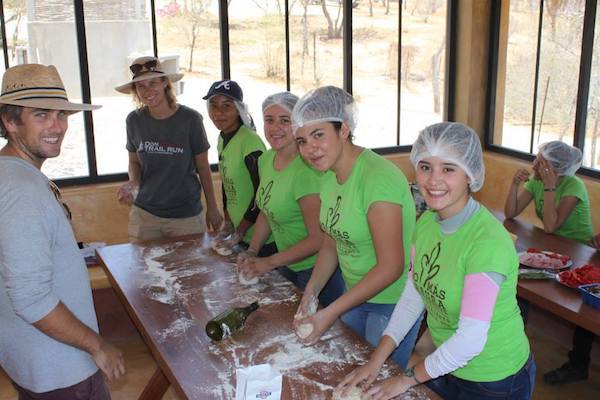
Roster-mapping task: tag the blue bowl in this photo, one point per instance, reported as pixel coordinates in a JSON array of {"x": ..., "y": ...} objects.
[{"x": 589, "y": 298}]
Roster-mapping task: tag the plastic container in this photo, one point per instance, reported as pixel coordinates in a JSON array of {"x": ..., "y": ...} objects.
[{"x": 589, "y": 298}]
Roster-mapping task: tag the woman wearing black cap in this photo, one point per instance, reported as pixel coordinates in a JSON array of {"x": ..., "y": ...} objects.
[
  {"x": 239, "y": 148},
  {"x": 168, "y": 151}
]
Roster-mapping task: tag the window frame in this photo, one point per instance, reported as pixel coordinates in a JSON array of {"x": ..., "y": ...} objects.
[
  {"x": 585, "y": 69},
  {"x": 93, "y": 177}
]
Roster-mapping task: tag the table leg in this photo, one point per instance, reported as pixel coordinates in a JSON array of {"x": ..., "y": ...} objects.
[{"x": 156, "y": 386}]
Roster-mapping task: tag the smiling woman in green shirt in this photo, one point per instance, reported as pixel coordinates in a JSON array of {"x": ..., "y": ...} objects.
[
  {"x": 367, "y": 214},
  {"x": 288, "y": 199}
]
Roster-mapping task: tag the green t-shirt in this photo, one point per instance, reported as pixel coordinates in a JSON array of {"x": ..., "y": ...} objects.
[
  {"x": 439, "y": 268},
  {"x": 237, "y": 183},
  {"x": 578, "y": 224},
  {"x": 278, "y": 196},
  {"x": 344, "y": 211}
]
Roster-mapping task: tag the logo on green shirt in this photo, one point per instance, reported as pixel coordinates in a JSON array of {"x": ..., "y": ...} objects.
[
  {"x": 345, "y": 246},
  {"x": 424, "y": 275}
]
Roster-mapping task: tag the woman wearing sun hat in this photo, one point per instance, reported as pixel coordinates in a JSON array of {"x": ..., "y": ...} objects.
[{"x": 168, "y": 150}]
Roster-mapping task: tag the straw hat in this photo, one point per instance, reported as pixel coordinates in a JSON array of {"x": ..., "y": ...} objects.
[
  {"x": 37, "y": 86},
  {"x": 143, "y": 68}
]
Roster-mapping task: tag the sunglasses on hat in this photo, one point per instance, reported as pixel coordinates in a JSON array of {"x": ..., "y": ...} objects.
[{"x": 146, "y": 67}]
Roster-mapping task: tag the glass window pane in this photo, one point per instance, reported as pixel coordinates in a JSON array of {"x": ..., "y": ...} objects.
[
  {"x": 375, "y": 72},
  {"x": 592, "y": 131},
  {"x": 515, "y": 92},
  {"x": 2, "y": 69},
  {"x": 316, "y": 47},
  {"x": 124, "y": 27},
  {"x": 188, "y": 34},
  {"x": 422, "y": 67},
  {"x": 257, "y": 51},
  {"x": 559, "y": 71},
  {"x": 32, "y": 33}
]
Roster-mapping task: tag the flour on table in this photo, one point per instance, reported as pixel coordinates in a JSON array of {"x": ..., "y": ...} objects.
[
  {"x": 177, "y": 327},
  {"x": 354, "y": 394}
]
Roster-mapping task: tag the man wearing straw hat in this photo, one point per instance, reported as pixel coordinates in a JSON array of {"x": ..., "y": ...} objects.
[{"x": 49, "y": 342}]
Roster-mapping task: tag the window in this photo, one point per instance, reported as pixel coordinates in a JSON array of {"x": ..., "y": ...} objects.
[
  {"x": 390, "y": 54},
  {"x": 546, "y": 77},
  {"x": 188, "y": 40},
  {"x": 257, "y": 51},
  {"x": 592, "y": 132},
  {"x": 128, "y": 33},
  {"x": 31, "y": 32},
  {"x": 316, "y": 45}
]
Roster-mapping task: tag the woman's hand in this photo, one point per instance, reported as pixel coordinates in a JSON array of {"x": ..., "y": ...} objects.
[
  {"x": 127, "y": 192},
  {"x": 362, "y": 376},
  {"x": 520, "y": 176},
  {"x": 547, "y": 174},
  {"x": 389, "y": 388},
  {"x": 226, "y": 230},
  {"x": 214, "y": 219},
  {"x": 308, "y": 306},
  {"x": 255, "y": 266},
  {"x": 321, "y": 322}
]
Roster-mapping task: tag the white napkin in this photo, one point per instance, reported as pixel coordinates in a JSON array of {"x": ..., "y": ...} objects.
[{"x": 258, "y": 382}]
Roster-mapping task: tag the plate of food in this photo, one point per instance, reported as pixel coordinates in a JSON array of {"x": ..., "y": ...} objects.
[
  {"x": 543, "y": 259},
  {"x": 576, "y": 277},
  {"x": 532, "y": 273}
]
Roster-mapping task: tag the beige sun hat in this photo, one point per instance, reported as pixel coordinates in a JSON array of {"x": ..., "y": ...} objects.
[
  {"x": 143, "y": 68},
  {"x": 37, "y": 86}
]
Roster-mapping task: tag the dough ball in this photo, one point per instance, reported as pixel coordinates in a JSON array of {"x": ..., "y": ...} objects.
[
  {"x": 245, "y": 281},
  {"x": 354, "y": 394},
  {"x": 304, "y": 330},
  {"x": 223, "y": 251}
]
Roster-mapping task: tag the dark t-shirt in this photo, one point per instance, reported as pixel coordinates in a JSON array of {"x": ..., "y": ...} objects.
[{"x": 169, "y": 186}]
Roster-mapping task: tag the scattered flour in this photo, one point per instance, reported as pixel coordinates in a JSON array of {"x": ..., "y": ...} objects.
[{"x": 177, "y": 327}]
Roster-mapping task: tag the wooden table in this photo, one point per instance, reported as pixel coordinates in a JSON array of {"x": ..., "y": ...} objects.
[
  {"x": 172, "y": 288},
  {"x": 550, "y": 295}
]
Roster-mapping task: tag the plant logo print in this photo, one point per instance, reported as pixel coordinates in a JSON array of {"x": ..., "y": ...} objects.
[
  {"x": 264, "y": 195},
  {"x": 333, "y": 214},
  {"x": 428, "y": 266}
]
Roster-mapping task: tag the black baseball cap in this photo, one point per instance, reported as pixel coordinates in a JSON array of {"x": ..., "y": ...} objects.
[{"x": 226, "y": 88}]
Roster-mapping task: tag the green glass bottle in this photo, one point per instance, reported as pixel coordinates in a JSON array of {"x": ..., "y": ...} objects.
[{"x": 229, "y": 321}]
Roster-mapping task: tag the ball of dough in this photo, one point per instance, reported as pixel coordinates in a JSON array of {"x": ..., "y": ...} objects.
[
  {"x": 354, "y": 394},
  {"x": 245, "y": 281},
  {"x": 223, "y": 251},
  {"x": 304, "y": 330}
]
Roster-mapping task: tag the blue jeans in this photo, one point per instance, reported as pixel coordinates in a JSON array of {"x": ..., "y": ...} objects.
[
  {"x": 334, "y": 288},
  {"x": 369, "y": 320},
  {"x": 515, "y": 387}
]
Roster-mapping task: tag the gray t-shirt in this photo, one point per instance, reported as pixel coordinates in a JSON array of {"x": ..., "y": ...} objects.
[
  {"x": 166, "y": 148},
  {"x": 40, "y": 265}
]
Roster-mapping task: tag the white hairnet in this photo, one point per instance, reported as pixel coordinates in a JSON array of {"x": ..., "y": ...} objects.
[
  {"x": 244, "y": 114},
  {"x": 325, "y": 104},
  {"x": 456, "y": 143},
  {"x": 286, "y": 100},
  {"x": 565, "y": 159}
]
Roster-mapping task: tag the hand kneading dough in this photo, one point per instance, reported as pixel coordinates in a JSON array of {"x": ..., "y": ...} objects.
[
  {"x": 245, "y": 281},
  {"x": 354, "y": 394},
  {"x": 304, "y": 330}
]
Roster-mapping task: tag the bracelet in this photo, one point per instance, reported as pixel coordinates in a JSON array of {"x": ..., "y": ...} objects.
[
  {"x": 550, "y": 189},
  {"x": 410, "y": 373}
]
